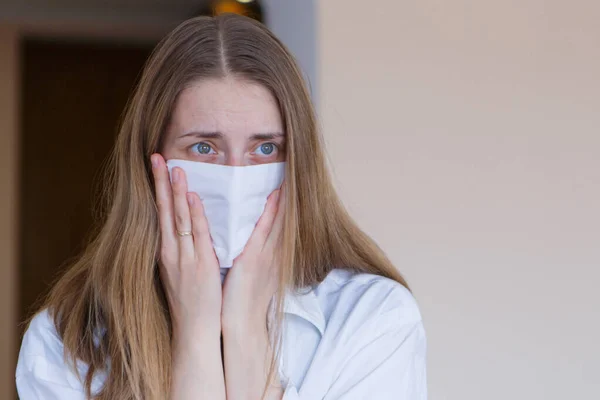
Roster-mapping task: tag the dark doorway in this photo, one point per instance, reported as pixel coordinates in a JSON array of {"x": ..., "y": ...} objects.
[{"x": 73, "y": 95}]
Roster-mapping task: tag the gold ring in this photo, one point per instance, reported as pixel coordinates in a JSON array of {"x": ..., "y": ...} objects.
[{"x": 184, "y": 233}]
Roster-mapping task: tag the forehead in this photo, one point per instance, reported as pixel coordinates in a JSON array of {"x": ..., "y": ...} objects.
[{"x": 228, "y": 105}]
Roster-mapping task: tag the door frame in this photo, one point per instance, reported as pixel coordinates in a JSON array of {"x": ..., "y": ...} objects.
[{"x": 11, "y": 34}]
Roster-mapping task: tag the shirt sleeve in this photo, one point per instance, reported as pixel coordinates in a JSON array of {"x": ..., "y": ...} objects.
[
  {"x": 389, "y": 365},
  {"x": 32, "y": 386},
  {"x": 41, "y": 371}
]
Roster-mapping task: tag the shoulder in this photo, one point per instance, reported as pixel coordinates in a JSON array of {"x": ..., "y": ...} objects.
[
  {"x": 366, "y": 297},
  {"x": 369, "y": 343},
  {"x": 42, "y": 340},
  {"x": 42, "y": 365},
  {"x": 369, "y": 291}
]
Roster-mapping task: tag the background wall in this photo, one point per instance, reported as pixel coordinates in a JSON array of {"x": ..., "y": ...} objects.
[
  {"x": 465, "y": 137},
  {"x": 295, "y": 24}
]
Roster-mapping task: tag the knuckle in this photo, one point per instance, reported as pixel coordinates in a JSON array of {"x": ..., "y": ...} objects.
[
  {"x": 176, "y": 187},
  {"x": 168, "y": 258},
  {"x": 263, "y": 229},
  {"x": 261, "y": 234},
  {"x": 272, "y": 211},
  {"x": 199, "y": 230},
  {"x": 186, "y": 263},
  {"x": 179, "y": 219}
]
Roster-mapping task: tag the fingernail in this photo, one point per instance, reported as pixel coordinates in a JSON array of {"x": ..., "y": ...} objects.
[
  {"x": 154, "y": 161},
  {"x": 176, "y": 174},
  {"x": 190, "y": 199}
]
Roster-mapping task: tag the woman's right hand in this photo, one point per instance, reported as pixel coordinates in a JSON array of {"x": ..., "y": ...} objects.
[
  {"x": 188, "y": 265},
  {"x": 191, "y": 278}
]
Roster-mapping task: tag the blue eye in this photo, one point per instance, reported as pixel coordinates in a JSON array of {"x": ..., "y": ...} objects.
[
  {"x": 265, "y": 149},
  {"x": 203, "y": 148}
]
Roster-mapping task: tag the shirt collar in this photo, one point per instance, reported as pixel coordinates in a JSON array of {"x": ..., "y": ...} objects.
[
  {"x": 302, "y": 303},
  {"x": 305, "y": 305}
]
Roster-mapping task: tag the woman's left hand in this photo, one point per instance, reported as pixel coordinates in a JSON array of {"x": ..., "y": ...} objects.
[{"x": 247, "y": 292}]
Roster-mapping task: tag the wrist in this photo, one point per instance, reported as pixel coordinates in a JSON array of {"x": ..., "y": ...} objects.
[
  {"x": 247, "y": 355},
  {"x": 251, "y": 335},
  {"x": 253, "y": 323},
  {"x": 197, "y": 366},
  {"x": 202, "y": 336}
]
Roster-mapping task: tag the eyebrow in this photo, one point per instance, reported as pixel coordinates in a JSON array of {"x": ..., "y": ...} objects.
[{"x": 219, "y": 135}]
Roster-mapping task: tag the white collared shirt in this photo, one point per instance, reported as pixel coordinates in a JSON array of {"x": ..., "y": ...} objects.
[{"x": 354, "y": 336}]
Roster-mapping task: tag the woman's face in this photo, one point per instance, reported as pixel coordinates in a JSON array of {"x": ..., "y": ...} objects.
[{"x": 225, "y": 121}]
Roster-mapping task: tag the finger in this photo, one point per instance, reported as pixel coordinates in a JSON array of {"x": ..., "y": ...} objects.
[
  {"x": 164, "y": 202},
  {"x": 202, "y": 240},
  {"x": 263, "y": 226},
  {"x": 183, "y": 222},
  {"x": 272, "y": 241}
]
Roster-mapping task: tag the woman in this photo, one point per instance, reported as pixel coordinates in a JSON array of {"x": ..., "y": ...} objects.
[{"x": 310, "y": 307}]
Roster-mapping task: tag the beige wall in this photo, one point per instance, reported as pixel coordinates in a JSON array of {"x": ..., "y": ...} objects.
[
  {"x": 8, "y": 206},
  {"x": 465, "y": 137}
]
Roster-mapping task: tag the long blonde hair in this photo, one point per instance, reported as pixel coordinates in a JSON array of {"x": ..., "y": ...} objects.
[{"x": 110, "y": 304}]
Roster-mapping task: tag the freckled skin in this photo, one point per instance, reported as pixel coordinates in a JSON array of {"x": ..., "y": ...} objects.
[{"x": 226, "y": 121}]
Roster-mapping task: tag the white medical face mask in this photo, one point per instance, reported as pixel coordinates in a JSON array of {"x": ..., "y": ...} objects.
[{"x": 234, "y": 198}]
